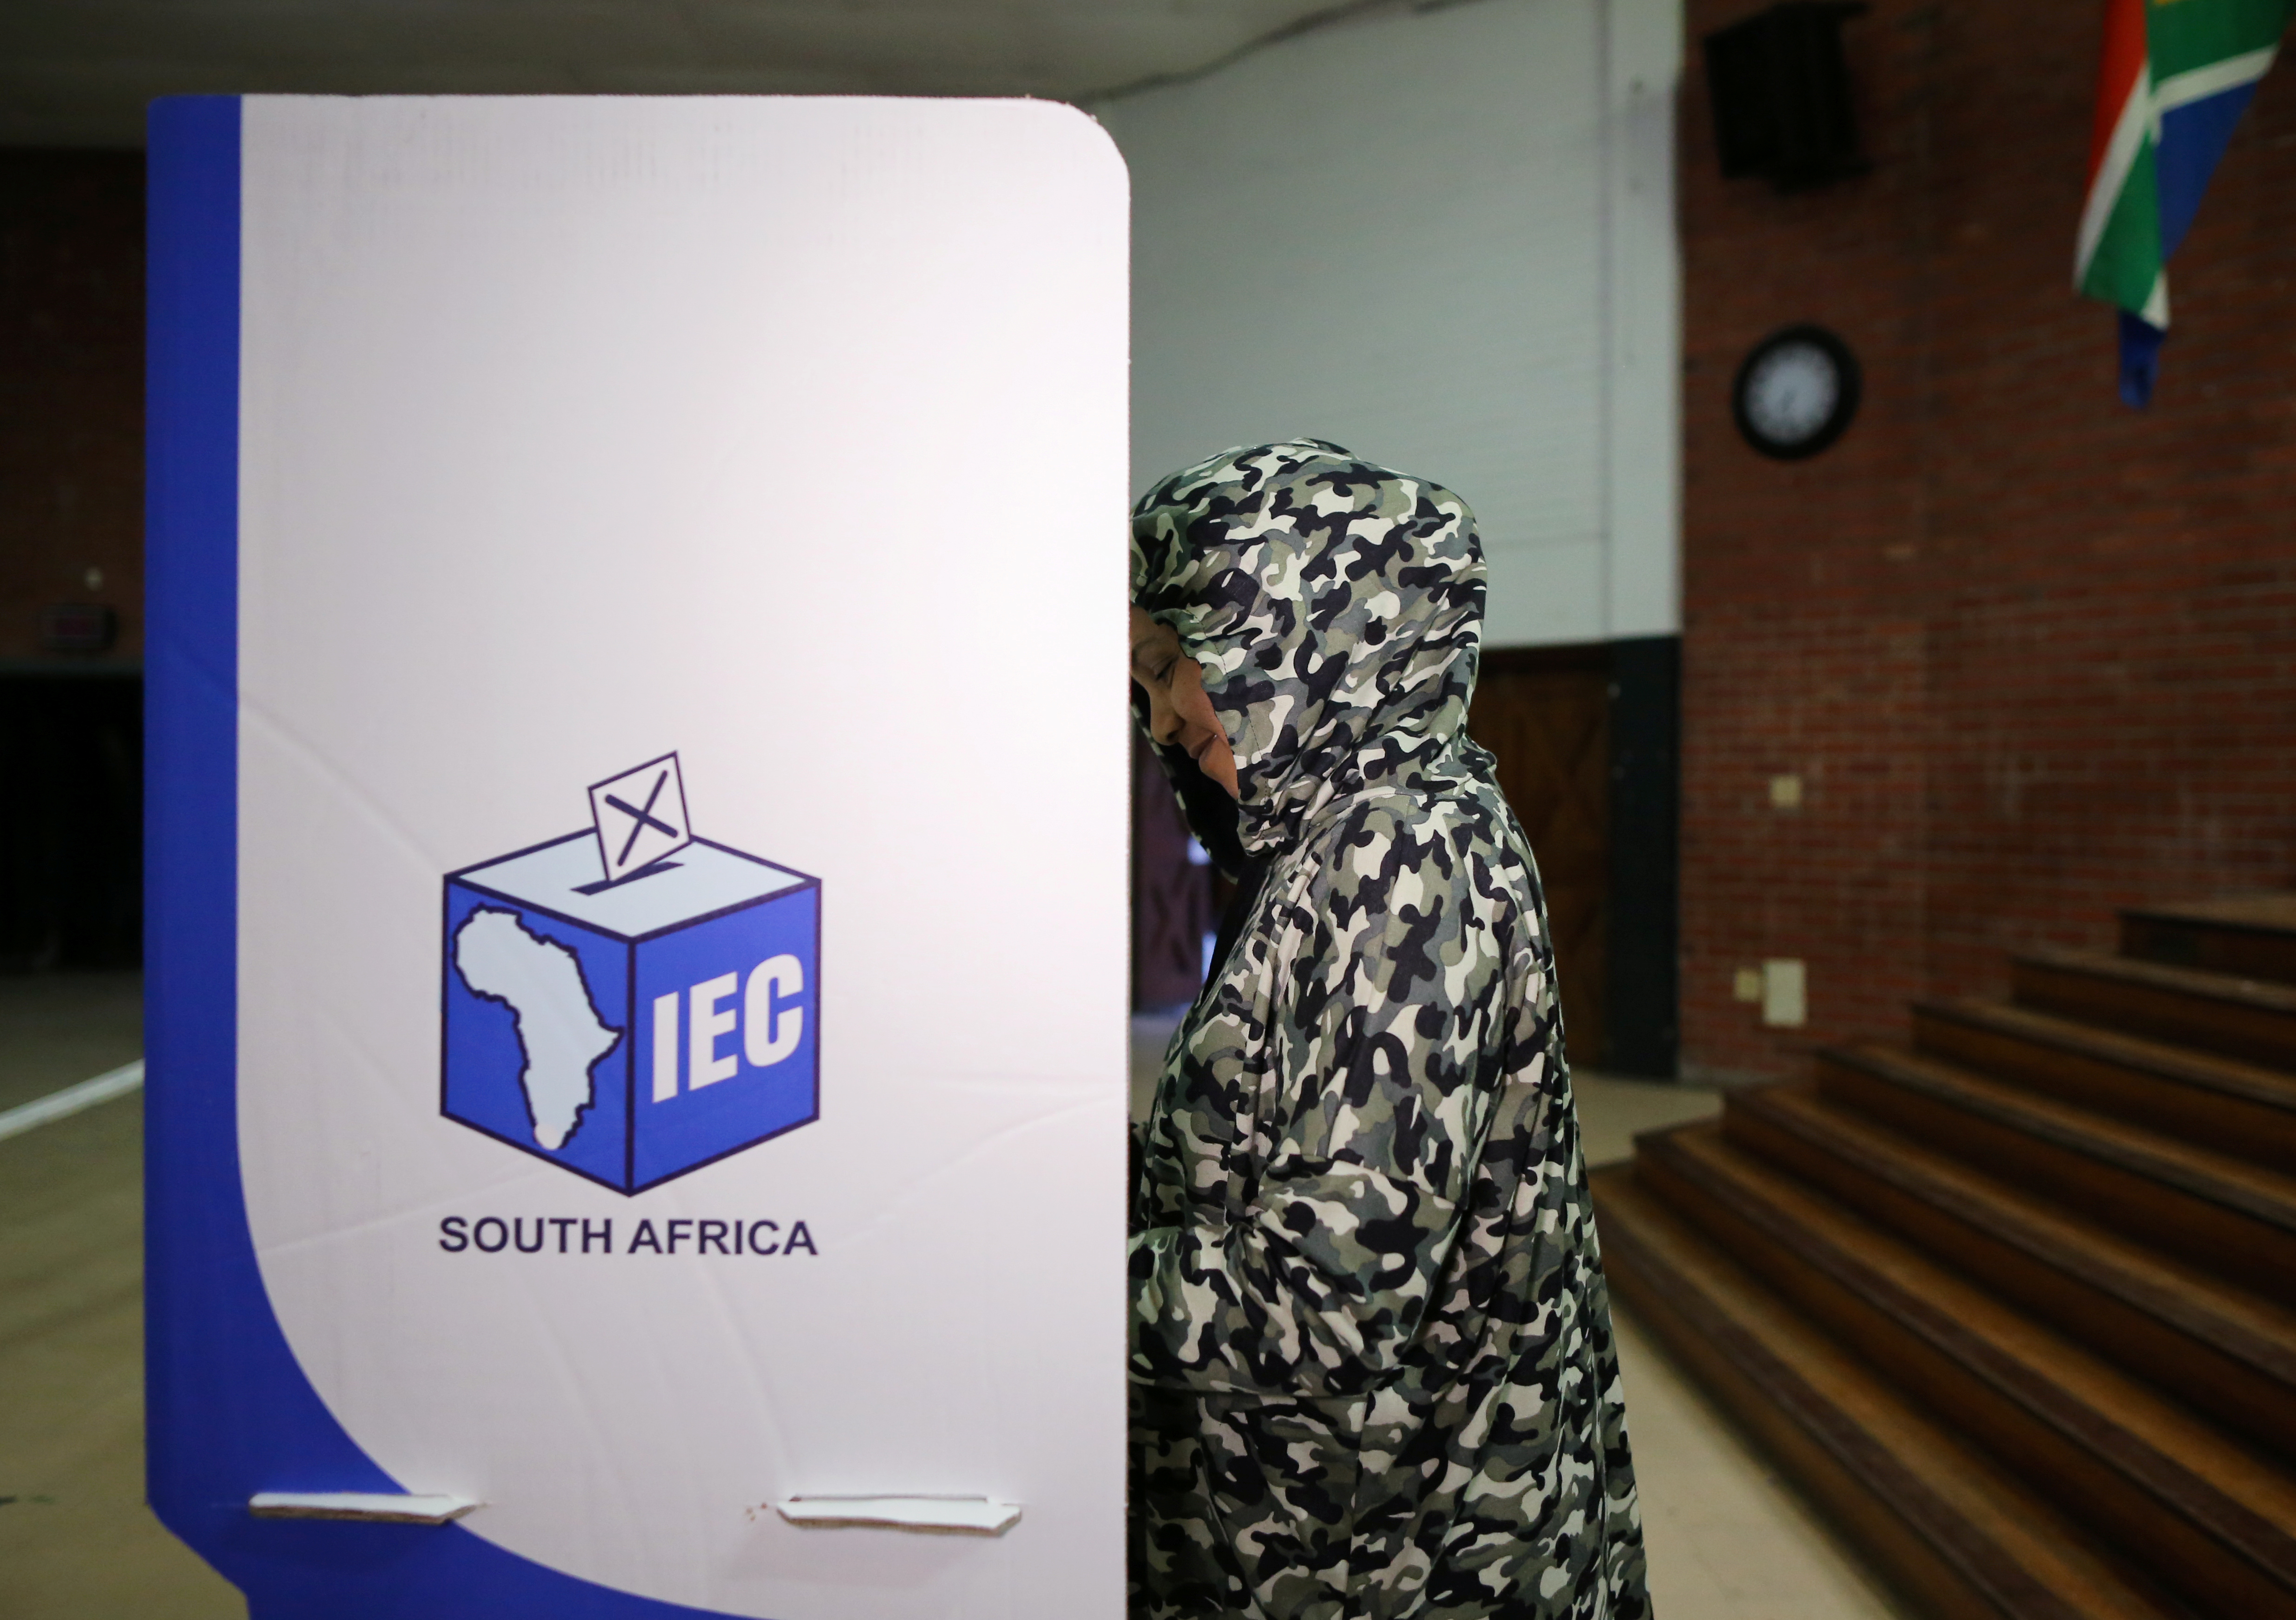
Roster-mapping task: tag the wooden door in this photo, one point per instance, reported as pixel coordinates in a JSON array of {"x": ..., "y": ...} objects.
[{"x": 1547, "y": 715}]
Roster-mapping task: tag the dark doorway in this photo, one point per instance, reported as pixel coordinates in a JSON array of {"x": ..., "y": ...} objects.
[
  {"x": 71, "y": 822},
  {"x": 1545, "y": 714}
]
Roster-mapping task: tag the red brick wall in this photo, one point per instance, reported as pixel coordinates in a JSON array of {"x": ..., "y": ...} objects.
[
  {"x": 2032, "y": 653},
  {"x": 71, "y": 390}
]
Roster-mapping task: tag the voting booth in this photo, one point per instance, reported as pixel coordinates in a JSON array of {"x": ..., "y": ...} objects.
[{"x": 637, "y": 856}]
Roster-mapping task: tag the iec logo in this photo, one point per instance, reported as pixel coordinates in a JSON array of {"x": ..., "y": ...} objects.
[{"x": 631, "y": 1003}]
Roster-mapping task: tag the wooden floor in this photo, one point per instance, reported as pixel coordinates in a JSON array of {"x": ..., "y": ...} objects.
[
  {"x": 75, "y": 1537},
  {"x": 2014, "y": 1299}
]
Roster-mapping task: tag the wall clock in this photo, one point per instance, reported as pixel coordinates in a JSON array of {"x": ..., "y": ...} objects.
[{"x": 1796, "y": 392}]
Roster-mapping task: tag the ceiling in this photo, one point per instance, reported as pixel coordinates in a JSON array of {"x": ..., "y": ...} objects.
[{"x": 78, "y": 72}]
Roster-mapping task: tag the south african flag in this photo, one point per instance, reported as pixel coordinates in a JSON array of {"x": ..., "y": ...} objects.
[{"x": 2175, "y": 78}]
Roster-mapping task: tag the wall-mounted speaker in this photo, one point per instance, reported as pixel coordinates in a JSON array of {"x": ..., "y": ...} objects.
[{"x": 1780, "y": 94}]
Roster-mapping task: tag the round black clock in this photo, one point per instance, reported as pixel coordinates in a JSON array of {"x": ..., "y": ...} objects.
[{"x": 1796, "y": 392}]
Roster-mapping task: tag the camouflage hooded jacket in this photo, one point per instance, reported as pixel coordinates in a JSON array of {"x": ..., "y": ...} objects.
[{"x": 1372, "y": 1373}]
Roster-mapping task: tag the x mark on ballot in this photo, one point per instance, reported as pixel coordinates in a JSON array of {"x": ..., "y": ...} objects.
[{"x": 640, "y": 819}]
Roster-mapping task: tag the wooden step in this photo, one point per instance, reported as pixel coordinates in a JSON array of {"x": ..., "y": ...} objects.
[
  {"x": 2242, "y": 1018},
  {"x": 2225, "y": 1214},
  {"x": 1950, "y": 1527},
  {"x": 2214, "y": 1523},
  {"x": 2225, "y": 1351},
  {"x": 2235, "y": 1107},
  {"x": 2246, "y": 936}
]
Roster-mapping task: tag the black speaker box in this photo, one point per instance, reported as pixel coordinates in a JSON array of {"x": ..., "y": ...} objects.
[{"x": 1780, "y": 94}]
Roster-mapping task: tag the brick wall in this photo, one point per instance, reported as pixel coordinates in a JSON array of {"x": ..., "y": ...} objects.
[
  {"x": 2033, "y": 654},
  {"x": 71, "y": 390}
]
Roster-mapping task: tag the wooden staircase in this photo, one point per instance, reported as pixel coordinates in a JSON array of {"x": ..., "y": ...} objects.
[{"x": 2017, "y": 1304}]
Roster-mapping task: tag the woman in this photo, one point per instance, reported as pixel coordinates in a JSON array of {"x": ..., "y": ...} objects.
[{"x": 1373, "y": 1374}]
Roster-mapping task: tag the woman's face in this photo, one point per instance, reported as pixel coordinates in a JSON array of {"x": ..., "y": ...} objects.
[{"x": 1179, "y": 715}]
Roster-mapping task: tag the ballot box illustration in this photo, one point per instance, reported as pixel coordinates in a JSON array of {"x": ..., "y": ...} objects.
[{"x": 630, "y": 1001}]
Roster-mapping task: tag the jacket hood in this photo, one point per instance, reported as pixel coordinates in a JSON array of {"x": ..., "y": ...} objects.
[{"x": 1337, "y": 610}]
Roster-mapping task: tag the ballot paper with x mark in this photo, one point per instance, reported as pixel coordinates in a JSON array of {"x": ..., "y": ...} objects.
[{"x": 641, "y": 817}]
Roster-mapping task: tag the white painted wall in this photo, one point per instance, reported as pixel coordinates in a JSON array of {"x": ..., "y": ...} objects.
[{"x": 1445, "y": 239}]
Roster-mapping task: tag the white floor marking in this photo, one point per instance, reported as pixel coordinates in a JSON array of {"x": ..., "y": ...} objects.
[{"x": 113, "y": 1083}]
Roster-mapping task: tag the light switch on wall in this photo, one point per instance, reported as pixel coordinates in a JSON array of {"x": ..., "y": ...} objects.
[
  {"x": 1785, "y": 993},
  {"x": 1785, "y": 792},
  {"x": 1746, "y": 985}
]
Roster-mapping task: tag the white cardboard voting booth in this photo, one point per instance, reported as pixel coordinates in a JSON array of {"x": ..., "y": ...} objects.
[{"x": 638, "y": 864}]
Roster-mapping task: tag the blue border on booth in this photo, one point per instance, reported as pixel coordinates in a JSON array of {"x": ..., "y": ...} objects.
[{"x": 229, "y": 1409}]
